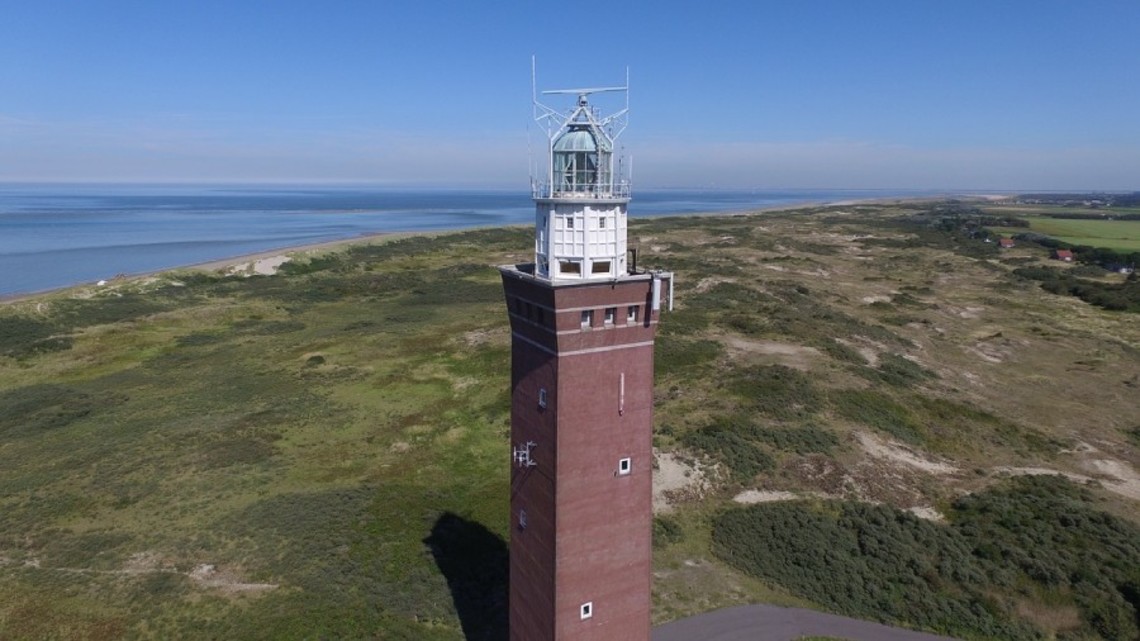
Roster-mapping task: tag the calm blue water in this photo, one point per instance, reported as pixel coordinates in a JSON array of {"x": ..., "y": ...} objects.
[{"x": 59, "y": 235}]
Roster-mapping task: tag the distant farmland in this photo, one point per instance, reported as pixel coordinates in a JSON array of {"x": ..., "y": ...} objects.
[{"x": 1121, "y": 235}]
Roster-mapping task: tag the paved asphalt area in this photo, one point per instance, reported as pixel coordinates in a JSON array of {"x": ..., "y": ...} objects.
[{"x": 772, "y": 623}]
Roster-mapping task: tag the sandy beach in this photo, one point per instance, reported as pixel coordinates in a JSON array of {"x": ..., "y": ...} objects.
[{"x": 266, "y": 262}]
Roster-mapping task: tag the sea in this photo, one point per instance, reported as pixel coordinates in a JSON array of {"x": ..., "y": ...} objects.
[{"x": 56, "y": 235}]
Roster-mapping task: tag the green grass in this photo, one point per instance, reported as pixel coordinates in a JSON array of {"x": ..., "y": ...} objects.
[
  {"x": 1121, "y": 235},
  {"x": 339, "y": 430},
  {"x": 304, "y": 430}
]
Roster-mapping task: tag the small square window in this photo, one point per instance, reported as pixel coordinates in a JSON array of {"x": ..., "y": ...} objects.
[
  {"x": 632, "y": 313},
  {"x": 587, "y": 318},
  {"x": 625, "y": 466},
  {"x": 569, "y": 222},
  {"x": 611, "y": 314},
  {"x": 542, "y": 397},
  {"x": 587, "y": 610},
  {"x": 602, "y": 223}
]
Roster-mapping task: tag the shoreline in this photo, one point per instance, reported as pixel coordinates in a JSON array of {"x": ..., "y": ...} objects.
[
  {"x": 288, "y": 250},
  {"x": 217, "y": 264}
]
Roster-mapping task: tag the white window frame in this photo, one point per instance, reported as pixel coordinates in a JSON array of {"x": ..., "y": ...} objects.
[
  {"x": 610, "y": 316},
  {"x": 586, "y": 610},
  {"x": 625, "y": 467},
  {"x": 587, "y": 318},
  {"x": 632, "y": 313},
  {"x": 542, "y": 397}
]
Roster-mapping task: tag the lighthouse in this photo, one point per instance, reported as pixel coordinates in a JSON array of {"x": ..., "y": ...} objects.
[{"x": 583, "y": 321}]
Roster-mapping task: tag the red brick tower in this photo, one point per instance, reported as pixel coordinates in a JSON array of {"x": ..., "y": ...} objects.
[{"x": 582, "y": 329}]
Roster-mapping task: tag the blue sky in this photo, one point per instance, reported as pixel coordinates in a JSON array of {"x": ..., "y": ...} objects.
[{"x": 968, "y": 94}]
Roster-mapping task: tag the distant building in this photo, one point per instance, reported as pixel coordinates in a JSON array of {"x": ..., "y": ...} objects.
[
  {"x": 1006, "y": 243},
  {"x": 1063, "y": 254}
]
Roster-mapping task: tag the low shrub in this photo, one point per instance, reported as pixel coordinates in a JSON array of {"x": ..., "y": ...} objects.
[
  {"x": 878, "y": 411},
  {"x": 733, "y": 444},
  {"x": 675, "y": 355},
  {"x": 666, "y": 531},
  {"x": 776, "y": 391}
]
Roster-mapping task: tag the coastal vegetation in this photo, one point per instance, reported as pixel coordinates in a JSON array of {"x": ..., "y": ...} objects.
[{"x": 868, "y": 410}]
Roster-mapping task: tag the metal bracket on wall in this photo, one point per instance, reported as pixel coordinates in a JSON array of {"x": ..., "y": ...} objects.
[{"x": 522, "y": 455}]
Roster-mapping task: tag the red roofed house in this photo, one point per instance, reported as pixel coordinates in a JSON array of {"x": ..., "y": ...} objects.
[
  {"x": 1005, "y": 243},
  {"x": 1064, "y": 254}
]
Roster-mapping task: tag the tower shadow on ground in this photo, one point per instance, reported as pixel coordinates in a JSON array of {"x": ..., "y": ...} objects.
[{"x": 474, "y": 561}]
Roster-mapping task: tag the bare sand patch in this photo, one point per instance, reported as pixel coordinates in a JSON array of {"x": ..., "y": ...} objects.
[
  {"x": 868, "y": 352},
  {"x": 796, "y": 356},
  {"x": 927, "y": 513},
  {"x": 675, "y": 480},
  {"x": 207, "y": 575},
  {"x": 1123, "y": 477},
  {"x": 477, "y": 337},
  {"x": 898, "y": 453},
  {"x": 750, "y": 497},
  {"x": 987, "y": 353},
  {"x": 263, "y": 266},
  {"x": 1115, "y": 476},
  {"x": 705, "y": 284},
  {"x": 1039, "y": 471}
]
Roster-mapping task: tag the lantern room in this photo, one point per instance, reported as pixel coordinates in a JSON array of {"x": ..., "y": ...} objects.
[
  {"x": 581, "y": 161},
  {"x": 580, "y": 203}
]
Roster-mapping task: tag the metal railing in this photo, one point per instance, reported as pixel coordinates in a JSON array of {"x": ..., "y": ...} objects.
[{"x": 546, "y": 190}]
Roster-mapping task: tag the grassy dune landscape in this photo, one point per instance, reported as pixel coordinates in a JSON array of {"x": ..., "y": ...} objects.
[{"x": 858, "y": 409}]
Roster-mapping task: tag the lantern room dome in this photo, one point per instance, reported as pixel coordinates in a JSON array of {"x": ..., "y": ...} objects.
[{"x": 577, "y": 139}]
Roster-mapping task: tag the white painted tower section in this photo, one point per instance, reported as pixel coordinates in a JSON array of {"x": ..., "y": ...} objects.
[{"x": 581, "y": 205}]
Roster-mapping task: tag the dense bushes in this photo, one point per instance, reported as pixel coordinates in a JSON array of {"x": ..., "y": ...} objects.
[
  {"x": 1112, "y": 296},
  {"x": 869, "y": 561},
  {"x": 1030, "y": 536}
]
